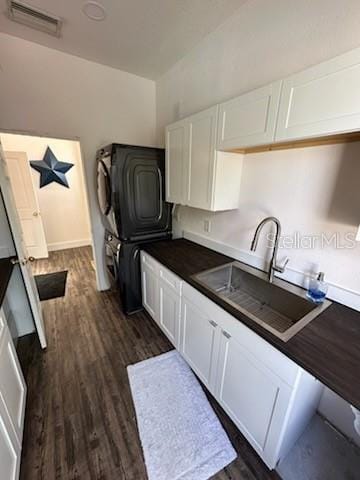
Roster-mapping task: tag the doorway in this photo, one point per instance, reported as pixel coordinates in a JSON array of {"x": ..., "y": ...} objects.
[
  {"x": 53, "y": 216},
  {"x": 51, "y": 204}
]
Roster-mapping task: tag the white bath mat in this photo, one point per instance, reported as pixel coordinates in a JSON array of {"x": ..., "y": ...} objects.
[{"x": 181, "y": 436}]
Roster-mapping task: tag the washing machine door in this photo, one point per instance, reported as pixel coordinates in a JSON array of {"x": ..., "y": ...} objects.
[{"x": 104, "y": 187}]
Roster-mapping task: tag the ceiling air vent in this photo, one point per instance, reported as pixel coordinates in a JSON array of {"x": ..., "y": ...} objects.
[{"x": 34, "y": 17}]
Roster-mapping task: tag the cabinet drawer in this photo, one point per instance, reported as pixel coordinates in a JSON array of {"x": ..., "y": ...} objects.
[
  {"x": 170, "y": 279},
  {"x": 278, "y": 363}
]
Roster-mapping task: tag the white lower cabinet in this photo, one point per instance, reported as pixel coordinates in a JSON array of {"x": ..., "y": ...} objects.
[
  {"x": 149, "y": 284},
  {"x": 253, "y": 396},
  {"x": 12, "y": 384},
  {"x": 199, "y": 341},
  {"x": 12, "y": 405},
  {"x": 10, "y": 450},
  {"x": 268, "y": 396},
  {"x": 169, "y": 312}
]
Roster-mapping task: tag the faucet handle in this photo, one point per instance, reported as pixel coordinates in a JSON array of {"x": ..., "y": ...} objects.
[{"x": 281, "y": 269}]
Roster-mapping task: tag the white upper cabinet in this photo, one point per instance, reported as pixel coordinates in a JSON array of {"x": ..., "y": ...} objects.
[
  {"x": 250, "y": 119},
  {"x": 322, "y": 100},
  {"x": 197, "y": 175},
  {"x": 202, "y": 158},
  {"x": 177, "y": 153}
]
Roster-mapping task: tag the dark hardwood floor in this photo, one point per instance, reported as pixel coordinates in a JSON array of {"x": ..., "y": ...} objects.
[{"x": 80, "y": 420}]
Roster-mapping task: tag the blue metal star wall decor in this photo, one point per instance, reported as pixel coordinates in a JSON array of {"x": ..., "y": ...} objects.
[{"x": 51, "y": 170}]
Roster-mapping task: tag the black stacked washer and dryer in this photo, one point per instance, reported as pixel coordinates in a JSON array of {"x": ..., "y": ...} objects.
[{"x": 131, "y": 192}]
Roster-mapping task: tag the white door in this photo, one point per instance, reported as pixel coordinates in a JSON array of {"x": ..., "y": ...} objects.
[
  {"x": 177, "y": 156},
  {"x": 199, "y": 338},
  {"x": 169, "y": 312},
  {"x": 202, "y": 158},
  {"x": 250, "y": 119},
  {"x": 26, "y": 203},
  {"x": 252, "y": 395},
  {"x": 23, "y": 256}
]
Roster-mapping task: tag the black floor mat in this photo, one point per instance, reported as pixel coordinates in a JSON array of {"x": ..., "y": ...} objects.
[{"x": 51, "y": 285}]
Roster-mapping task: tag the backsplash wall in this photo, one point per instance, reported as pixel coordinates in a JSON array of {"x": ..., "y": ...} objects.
[{"x": 314, "y": 192}]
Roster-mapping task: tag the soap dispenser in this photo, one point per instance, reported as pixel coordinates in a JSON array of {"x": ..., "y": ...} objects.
[{"x": 317, "y": 288}]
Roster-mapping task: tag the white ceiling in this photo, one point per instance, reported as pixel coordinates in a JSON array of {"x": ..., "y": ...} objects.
[{"x": 144, "y": 37}]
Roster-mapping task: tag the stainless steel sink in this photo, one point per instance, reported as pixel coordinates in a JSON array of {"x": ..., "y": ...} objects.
[{"x": 279, "y": 307}]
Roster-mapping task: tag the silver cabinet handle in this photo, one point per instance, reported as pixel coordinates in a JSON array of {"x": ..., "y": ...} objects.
[
  {"x": 226, "y": 334},
  {"x": 214, "y": 324}
]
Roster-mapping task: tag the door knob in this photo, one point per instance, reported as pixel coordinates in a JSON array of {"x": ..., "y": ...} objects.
[
  {"x": 24, "y": 261},
  {"x": 36, "y": 214}
]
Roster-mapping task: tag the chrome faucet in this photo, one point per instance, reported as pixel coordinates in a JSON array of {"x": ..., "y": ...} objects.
[{"x": 274, "y": 267}]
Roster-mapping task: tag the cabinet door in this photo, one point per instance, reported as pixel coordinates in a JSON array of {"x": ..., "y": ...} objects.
[
  {"x": 255, "y": 398},
  {"x": 150, "y": 290},
  {"x": 199, "y": 341},
  {"x": 249, "y": 120},
  {"x": 321, "y": 100},
  {"x": 12, "y": 385},
  {"x": 169, "y": 312},
  {"x": 202, "y": 158},
  {"x": 10, "y": 450},
  {"x": 177, "y": 157}
]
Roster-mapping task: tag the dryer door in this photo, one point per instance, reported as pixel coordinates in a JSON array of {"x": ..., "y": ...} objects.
[
  {"x": 140, "y": 207},
  {"x": 103, "y": 187}
]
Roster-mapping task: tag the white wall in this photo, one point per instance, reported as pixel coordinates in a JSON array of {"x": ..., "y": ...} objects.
[
  {"x": 64, "y": 211},
  {"x": 311, "y": 190},
  {"x": 49, "y": 93},
  {"x": 339, "y": 413}
]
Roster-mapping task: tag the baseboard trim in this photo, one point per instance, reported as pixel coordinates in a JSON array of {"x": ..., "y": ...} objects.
[
  {"x": 345, "y": 296},
  {"x": 68, "y": 244}
]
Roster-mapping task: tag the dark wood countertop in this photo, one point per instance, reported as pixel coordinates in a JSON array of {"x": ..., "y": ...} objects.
[
  {"x": 328, "y": 347},
  {"x": 6, "y": 268}
]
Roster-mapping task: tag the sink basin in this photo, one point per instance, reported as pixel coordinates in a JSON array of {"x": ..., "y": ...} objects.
[{"x": 279, "y": 307}]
